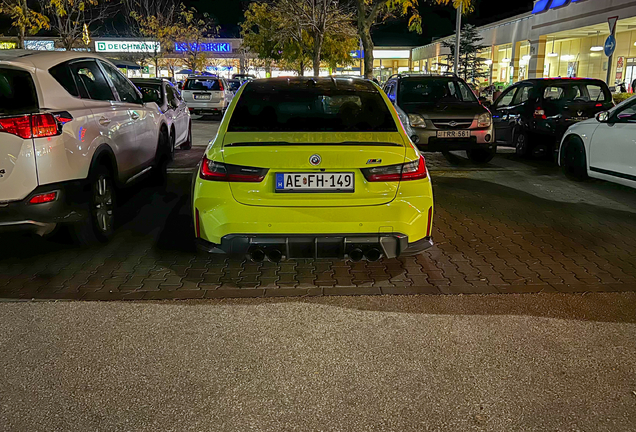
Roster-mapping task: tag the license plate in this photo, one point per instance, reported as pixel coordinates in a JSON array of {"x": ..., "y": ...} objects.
[
  {"x": 314, "y": 182},
  {"x": 202, "y": 97},
  {"x": 453, "y": 134}
]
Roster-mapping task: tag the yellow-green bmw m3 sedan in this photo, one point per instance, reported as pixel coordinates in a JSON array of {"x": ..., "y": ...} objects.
[{"x": 312, "y": 168}]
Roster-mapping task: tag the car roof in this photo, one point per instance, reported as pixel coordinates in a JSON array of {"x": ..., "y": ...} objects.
[
  {"x": 203, "y": 77},
  {"x": 562, "y": 79},
  {"x": 351, "y": 84},
  {"x": 43, "y": 59},
  {"x": 148, "y": 80}
]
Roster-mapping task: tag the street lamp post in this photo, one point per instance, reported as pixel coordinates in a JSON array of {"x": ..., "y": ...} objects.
[{"x": 458, "y": 36}]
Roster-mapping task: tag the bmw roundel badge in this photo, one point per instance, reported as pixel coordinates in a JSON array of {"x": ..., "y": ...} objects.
[{"x": 315, "y": 159}]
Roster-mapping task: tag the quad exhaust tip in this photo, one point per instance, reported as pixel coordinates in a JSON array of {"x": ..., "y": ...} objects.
[
  {"x": 257, "y": 255},
  {"x": 373, "y": 255},
  {"x": 356, "y": 255},
  {"x": 275, "y": 255}
]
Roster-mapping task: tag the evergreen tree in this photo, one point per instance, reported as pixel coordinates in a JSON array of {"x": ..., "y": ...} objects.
[{"x": 470, "y": 64}]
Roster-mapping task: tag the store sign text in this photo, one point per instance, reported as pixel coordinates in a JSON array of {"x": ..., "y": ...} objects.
[
  {"x": 545, "y": 5},
  {"x": 128, "y": 46},
  {"x": 39, "y": 45},
  {"x": 8, "y": 45},
  {"x": 217, "y": 47}
]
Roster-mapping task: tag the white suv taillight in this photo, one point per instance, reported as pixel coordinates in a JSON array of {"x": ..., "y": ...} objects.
[{"x": 30, "y": 126}]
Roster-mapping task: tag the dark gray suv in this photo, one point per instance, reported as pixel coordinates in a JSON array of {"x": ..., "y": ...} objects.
[{"x": 441, "y": 113}]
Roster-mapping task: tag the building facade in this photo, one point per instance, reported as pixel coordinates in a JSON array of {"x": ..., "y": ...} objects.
[{"x": 559, "y": 38}]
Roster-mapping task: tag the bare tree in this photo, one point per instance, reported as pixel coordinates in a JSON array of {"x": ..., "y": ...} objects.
[
  {"x": 68, "y": 17},
  {"x": 154, "y": 20},
  {"x": 319, "y": 18}
]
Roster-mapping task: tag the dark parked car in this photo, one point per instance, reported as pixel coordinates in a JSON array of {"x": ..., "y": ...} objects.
[
  {"x": 234, "y": 84},
  {"x": 441, "y": 113},
  {"x": 534, "y": 114},
  {"x": 167, "y": 97}
]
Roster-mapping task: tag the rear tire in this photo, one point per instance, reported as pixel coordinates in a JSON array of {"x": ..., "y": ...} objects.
[
  {"x": 99, "y": 226},
  {"x": 481, "y": 155},
  {"x": 187, "y": 145},
  {"x": 522, "y": 144},
  {"x": 574, "y": 161},
  {"x": 162, "y": 158}
]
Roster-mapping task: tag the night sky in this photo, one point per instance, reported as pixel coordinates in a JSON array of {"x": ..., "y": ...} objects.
[{"x": 437, "y": 21}]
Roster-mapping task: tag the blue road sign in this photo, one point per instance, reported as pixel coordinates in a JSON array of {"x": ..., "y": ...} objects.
[{"x": 610, "y": 45}]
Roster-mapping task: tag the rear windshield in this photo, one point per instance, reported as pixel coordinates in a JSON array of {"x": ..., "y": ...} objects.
[
  {"x": 577, "y": 92},
  {"x": 311, "y": 106},
  {"x": 435, "y": 90},
  {"x": 205, "y": 84},
  {"x": 17, "y": 92}
]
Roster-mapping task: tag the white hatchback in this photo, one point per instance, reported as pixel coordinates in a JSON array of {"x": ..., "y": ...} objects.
[
  {"x": 603, "y": 147},
  {"x": 73, "y": 129},
  {"x": 207, "y": 95}
]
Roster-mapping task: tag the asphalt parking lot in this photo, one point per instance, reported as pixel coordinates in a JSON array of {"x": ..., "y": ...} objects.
[{"x": 512, "y": 226}]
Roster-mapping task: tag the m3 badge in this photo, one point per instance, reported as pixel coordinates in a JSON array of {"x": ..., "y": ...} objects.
[{"x": 374, "y": 161}]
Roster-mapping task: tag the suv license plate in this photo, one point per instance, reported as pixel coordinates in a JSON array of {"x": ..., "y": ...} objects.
[
  {"x": 315, "y": 182},
  {"x": 202, "y": 97},
  {"x": 453, "y": 134}
]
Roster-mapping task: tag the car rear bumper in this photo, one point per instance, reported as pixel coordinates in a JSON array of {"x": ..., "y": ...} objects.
[
  {"x": 198, "y": 106},
  {"x": 389, "y": 245},
  {"x": 69, "y": 206},
  {"x": 427, "y": 140}
]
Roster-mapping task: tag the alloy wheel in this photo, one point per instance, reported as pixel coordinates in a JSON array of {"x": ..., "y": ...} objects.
[{"x": 103, "y": 203}]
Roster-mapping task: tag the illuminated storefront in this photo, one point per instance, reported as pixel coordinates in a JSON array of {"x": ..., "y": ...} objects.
[{"x": 559, "y": 38}]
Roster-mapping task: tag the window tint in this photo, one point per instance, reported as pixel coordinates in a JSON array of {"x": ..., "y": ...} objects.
[
  {"x": 506, "y": 98},
  {"x": 127, "y": 92},
  {"x": 62, "y": 74},
  {"x": 435, "y": 90},
  {"x": 596, "y": 93},
  {"x": 90, "y": 81},
  {"x": 173, "y": 99},
  {"x": 523, "y": 95},
  {"x": 576, "y": 92},
  {"x": 627, "y": 115},
  {"x": 311, "y": 106},
  {"x": 17, "y": 92},
  {"x": 151, "y": 88},
  {"x": 204, "y": 84},
  {"x": 466, "y": 93}
]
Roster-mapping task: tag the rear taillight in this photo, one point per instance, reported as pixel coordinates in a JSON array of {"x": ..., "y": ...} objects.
[
  {"x": 30, "y": 126},
  {"x": 415, "y": 170},
  {"x": 221, "y": 87},
  {"x": 217, "y": 171},
  {"x": 20, "y": 126},
  {"x": 43, "y": 198},
  {"x": 539, "y": 113}
]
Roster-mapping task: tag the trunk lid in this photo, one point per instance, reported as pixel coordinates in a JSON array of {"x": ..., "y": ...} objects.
[{"x": 286, "y": 152}]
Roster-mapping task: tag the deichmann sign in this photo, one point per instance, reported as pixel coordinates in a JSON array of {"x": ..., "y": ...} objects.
[
  {"x": 545, "y": 5},
  {"x": 127, "y": 46},
  {"x": 217, "y": 47}
]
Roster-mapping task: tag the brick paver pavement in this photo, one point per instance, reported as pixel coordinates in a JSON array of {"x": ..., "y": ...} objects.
[{"x": 510, "y": 227}]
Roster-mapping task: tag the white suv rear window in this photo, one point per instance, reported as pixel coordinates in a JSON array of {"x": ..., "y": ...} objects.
[{"x": 17, "y": 92}]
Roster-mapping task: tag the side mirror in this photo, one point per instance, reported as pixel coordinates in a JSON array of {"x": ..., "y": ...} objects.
[{"x": 602, "y": 117}]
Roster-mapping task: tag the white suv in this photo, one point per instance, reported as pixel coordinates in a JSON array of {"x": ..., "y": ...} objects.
[
  {"x": 72, "y": 130},
  {"x": 207, "y": 94}
]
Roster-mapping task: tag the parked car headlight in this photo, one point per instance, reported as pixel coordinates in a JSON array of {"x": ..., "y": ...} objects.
[
  {"x": 484, "y": 120},
  {"x": 417, "y": 120}
]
